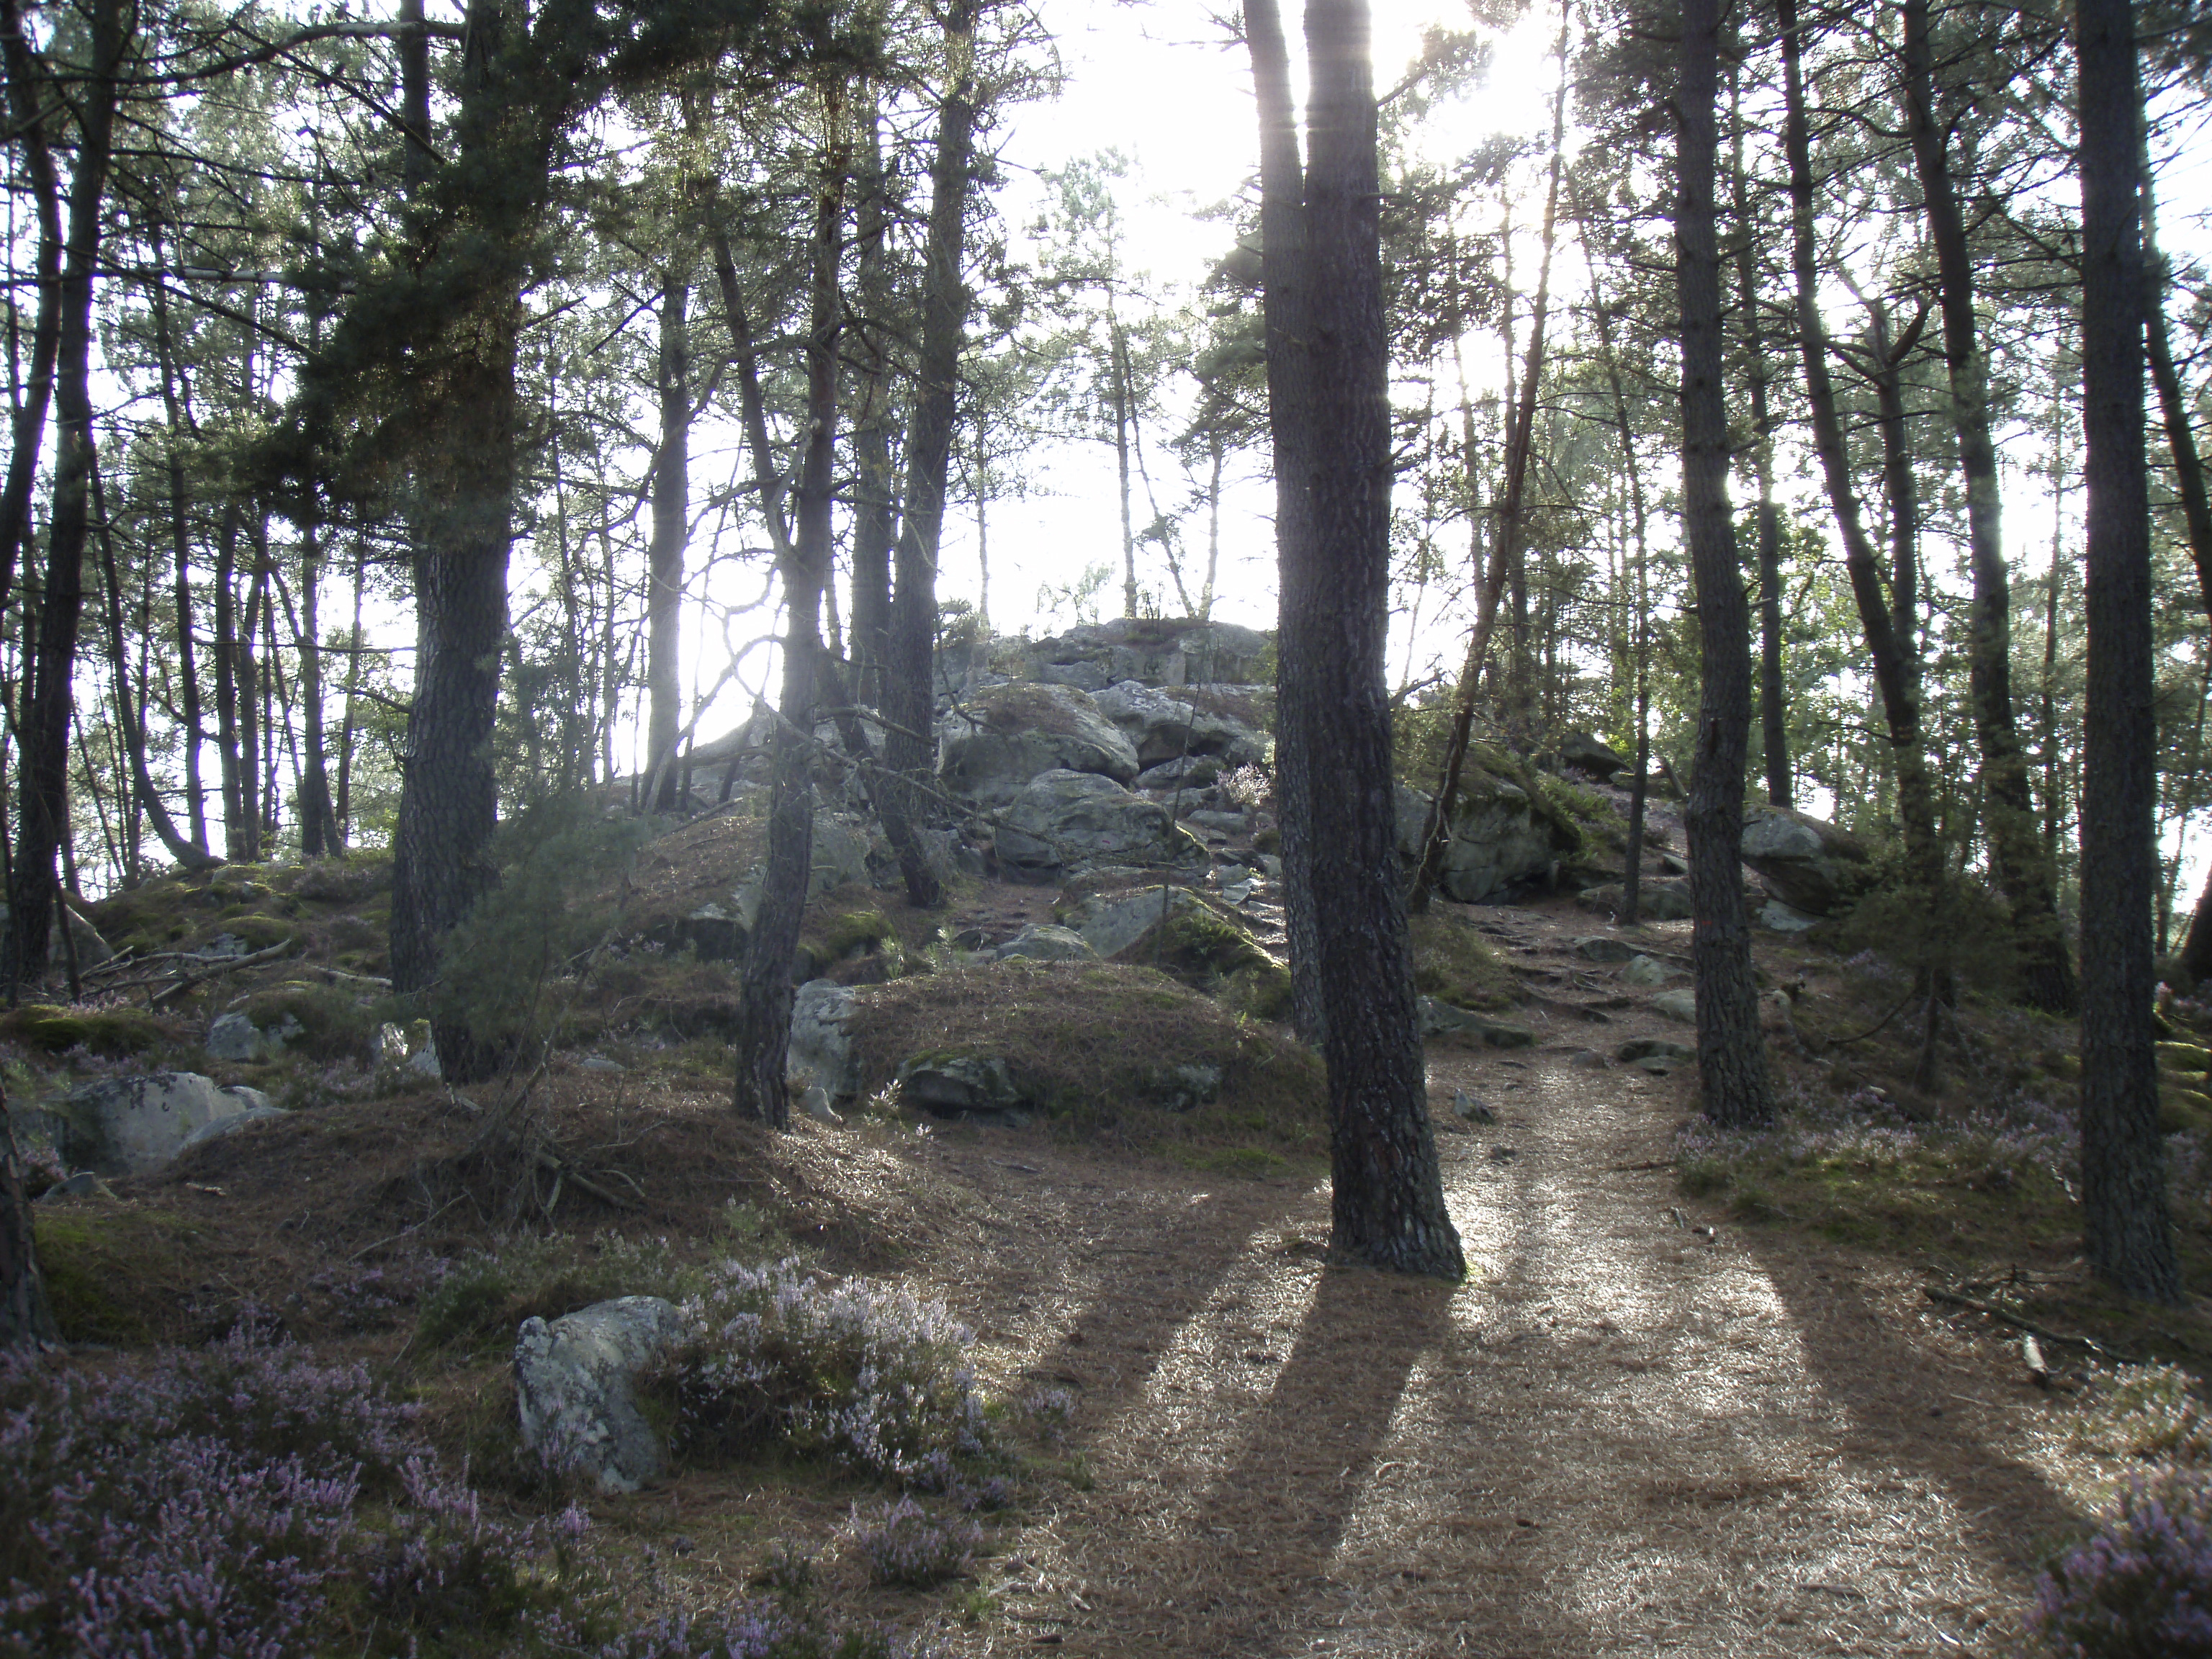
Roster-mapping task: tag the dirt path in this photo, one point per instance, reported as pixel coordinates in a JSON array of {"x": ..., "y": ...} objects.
[{"x": 1622, "y": 1435}]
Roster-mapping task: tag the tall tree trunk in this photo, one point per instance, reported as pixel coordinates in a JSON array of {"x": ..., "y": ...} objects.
[
  {"x": 27, "y": 1317},
  {"x": 1328, "y": 399},
  {"x": 1774, "y": 716},
  {"x": 1896, "y": 678},
  {"x": 1731, "y": 1051},
  {"x": 909, "y": 687},
  {"x": 763, "y": 1036},
  {"x": 318, "y": 823},
  {"x": 42, "y": 815},
  {"x": 188, "y": 678},
  {"x": 1117, "y": 371},
  {"x": 671, "y": 525},
  {"x": 2016, "y": 852},
  {"x": 875, "y": 416},
  {"x": 2127, "y": 1234},
  {"x": 1505, "y": 552},
  {"x": 28, "y": 98}
]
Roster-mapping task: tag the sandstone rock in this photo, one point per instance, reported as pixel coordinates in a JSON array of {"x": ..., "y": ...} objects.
[
  {"x": 1065, "y": 820},
  {"x": 1497, "y": 841},
  {"x": 131, "y": 1124},
  {"x": 1111, "y": 922},
  {"x": 1602, "y": 948},
  {"x": 1442, "y": 1018},
  {"x": 225, "y": 1126},
  {"x": 1158, "y": 651},
  {"x": 1043, "y": 942},
  {"x": 575, "y": 1383},
  {"x": 1653, "y": 1049},
  {"x": 1680, "y": 1004},
  {"x": 946, "y": 1085},
  {"x": 233, "y": 1037},
  {"x": 1664, "y": 900},
  {"x": 992, "y": 746},
  {"x": 1582, "y": 751},
  {"x": 821, "y": 1048},
  {"x": 1778, "y": 918},
  {"x": 1812, "y": 865},
  {"x": 1645, "y": 972},
  {"x": 1165, "y": 728}
]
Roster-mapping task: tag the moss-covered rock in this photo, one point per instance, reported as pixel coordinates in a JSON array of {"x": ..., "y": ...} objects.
[{"x": 111, "y": 1033}]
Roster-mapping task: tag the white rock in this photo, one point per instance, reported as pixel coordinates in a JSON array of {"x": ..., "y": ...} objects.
[
  {"x": 576, "y": 1384},
  {"x": 132, "y": 1125}
]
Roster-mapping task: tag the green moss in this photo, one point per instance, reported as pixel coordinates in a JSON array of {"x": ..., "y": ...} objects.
[
  {"x": 333, "y": 1025},
  {"x": 2180, "y": 1110},
  {"x": 113, "y": 1275},
  {"x": 1453, "y": 963},
  {"x": 2183, "y": 1057},
  {"x": 112, "y": 1033}
]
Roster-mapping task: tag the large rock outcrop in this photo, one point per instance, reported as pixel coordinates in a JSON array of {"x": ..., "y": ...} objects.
[
  {"x": 1003, "y": 736},
  {"x": 1165, "y": 728},
  {"x": 1811, "y": 864},
  {"x": 1065, "y": 820},
  {"x": 1157, "y": 651},
  {"x": 1499, "y": 838}
]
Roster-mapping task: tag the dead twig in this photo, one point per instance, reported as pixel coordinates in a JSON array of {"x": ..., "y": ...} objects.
[{"x": 2020, "y": 1322}]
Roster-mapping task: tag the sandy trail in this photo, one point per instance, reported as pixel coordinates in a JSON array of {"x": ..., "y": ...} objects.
[{"x": 1620, "y": 1436}]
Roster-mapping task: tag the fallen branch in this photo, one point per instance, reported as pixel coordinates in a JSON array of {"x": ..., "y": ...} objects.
[{"x": 2020, "y": 1322}]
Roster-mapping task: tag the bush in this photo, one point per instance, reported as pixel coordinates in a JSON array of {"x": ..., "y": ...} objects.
[
  {"x": 906, "y": 1545},
  {"x": 2147, "y": 1411},
  {"x": 2140, "y": 1584},
  {"x": 868, "y": 1375},
  {"x": 484, "y": 1297}
]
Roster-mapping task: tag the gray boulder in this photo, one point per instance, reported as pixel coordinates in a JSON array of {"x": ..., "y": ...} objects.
[
  {"x": 993, "y": 746},
  {"x": 575, "y": 1383},
  {"x": 839, "y": 854},
  {"x": 1165, "y": 728},
  {"x": 1111, "y": 922},
  {"x": 1680, "y": 1004},
  {"x": 1813, "y": 866},
  {"x": 1604, "y": 948},
  {"x": 1777, "y": 917},
  {"x": 1582, "y": 751},
  {"x": 1653, "y": 1049},
  {"x": 228, "y": 1126},
  {"x": 1189, "y": 772},
  {"x": 1043, "y": 942},
  {"x": 1065, "y": 820},
  {"x": 1644, "y": 972},
  {"x": 1155, "y": 651},
  {"x": 1665, "y": 899},
  {"x": 234, "y": 1037},
  {"x": 1445, "y": 1019},
  {"x": 821, "y": 1041},
  {"x": 945, "y": 1086},
  {"x": 1496, "y": 839},
  {"x": 129, "y": 1126}
]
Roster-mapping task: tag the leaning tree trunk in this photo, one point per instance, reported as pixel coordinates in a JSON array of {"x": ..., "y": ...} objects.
[
  {"x": 2127, "y": 1234},
  {"x": 42, "y": 818},
  {"x": 1328, "y": 399},
  {"x": 763, "y": 1036},
  {"x": 672, "y": 524},
  {"x": 1731, "y": 1052},
  {"x": 2016, "y": 851}
]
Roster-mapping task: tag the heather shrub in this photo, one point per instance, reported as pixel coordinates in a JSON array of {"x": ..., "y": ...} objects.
[
  {"x": 2146, "y": 1411},
  {"x": 2140, "y": 1584},
  {"x": 906, "y": 1545},
  {"x": 753, "y": 1631},
  {"x": 868, "y": 1375}
]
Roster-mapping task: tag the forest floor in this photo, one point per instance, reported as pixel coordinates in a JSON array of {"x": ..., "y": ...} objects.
[
  {"x": 1645, "y": 1421},
  {"x": 1635, "y": 1427}
]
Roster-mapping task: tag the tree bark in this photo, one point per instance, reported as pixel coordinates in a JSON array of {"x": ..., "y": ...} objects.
[
  {"x": 1731, "y": 1051},
  {"x": 1896, "y": 678},
  {"x": 27, "y": 96},
  {"x": 26, "y": 1318},
  {"x": 875, "y": 512},
  {"x": 672, "y": 524},
  {"x": 188, "y": 678},
  {"x": 909, "y": 681},
  {"x": 2016, "y": 854},
  {"x": 319, "y": 818},
  {"x": 42, "y": 818},
  {"x": 2127, "y": 1234},
  {"x": 1328, "y": 395},
  {"x": 763, "y": 1034}
]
